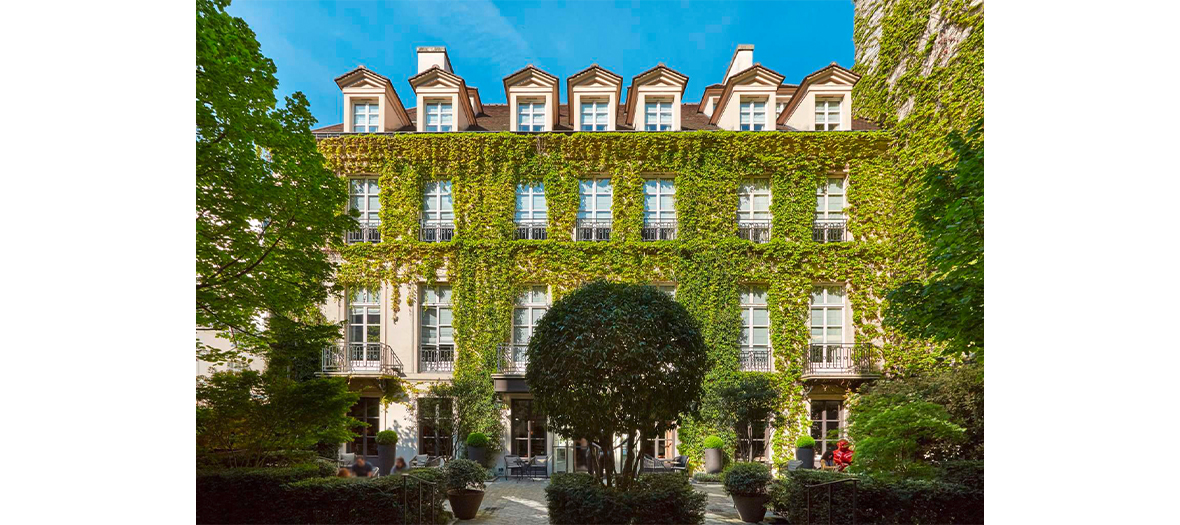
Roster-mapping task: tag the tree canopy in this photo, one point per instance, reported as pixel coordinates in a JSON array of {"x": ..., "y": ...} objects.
[
  {"x": 751, "y": 397},
  {"x": 616, "y": 359},
  {"x": 266, "y": 203}
]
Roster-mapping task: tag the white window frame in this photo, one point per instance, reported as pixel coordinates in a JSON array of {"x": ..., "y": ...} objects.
[
  {"x": 654, "y": 113},
  {"x": 370, "y": 193},
  {"x": 754, "y": 299},
  {"x": 595, "y": 212},
  {"x": 751, "y": 189},
  {"x": 822, "y": 442},
  {"x": 823, "y": 199},
  {"x": 527, "y": 194},
  {"x": 371, "y": 115},
  {"x": 824, "y": 308},
  {"x": 438, "y": 193},
  {"x": 436, "y": 300},
  {"x": 663, "y": 187},
  {"x": 532, "y": 108},
  {"x": 752, "y": 114},
  {"x": 365, "y": 302},
  {"x": 533, "y": 302},
  {"x": 589, "y": 121},
  {"x": 443, "y": 114},
  {"x": 668, "y": 288},
  {"x": 827, "y": 108}
]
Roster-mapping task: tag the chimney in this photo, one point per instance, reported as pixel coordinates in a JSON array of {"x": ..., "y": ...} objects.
[
  {"x": 433, "y": 56},
  {"x": 743, "y": 59}
]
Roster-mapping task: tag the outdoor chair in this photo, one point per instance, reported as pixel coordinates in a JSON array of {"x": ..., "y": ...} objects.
[
  {"x": 680, "y": 464},
  {"x": 419, "y": 461},
  {"x": 652, "y": 465},
  {"x": 514, "y": 462},
  {"x": 376, "y": 471},
  {"x": 346, "y": 459},
  {"x": 539, "y": 466}
]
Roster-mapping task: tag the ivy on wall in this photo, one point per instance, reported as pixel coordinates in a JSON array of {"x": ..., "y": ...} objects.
[{"x": 488, "y": 269}]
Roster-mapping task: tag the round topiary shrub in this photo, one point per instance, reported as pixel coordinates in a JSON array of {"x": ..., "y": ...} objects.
[
  {"x": 714, "y": 442},
  {"x": 747, "y": 479},
  {"x": 387, "y": 437},
  {"x": 464, "y": 474},
  {"x": 477, "y": 439},
  {"x": 805, "y": 442}
]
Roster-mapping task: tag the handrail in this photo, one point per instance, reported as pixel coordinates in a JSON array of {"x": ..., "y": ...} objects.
[
  {"x": 507, "y": 361},
  {"x": 659, "y": 231},
  {"x": 840, "y": 358},
  {"x": 829, "y": 485},
  {"x": 362, "y": 358},
  {"x": 406, "y": 495}
]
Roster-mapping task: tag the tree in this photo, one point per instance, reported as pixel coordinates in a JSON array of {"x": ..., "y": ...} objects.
[
  {"x": 612, "y": 360},
  {"x": 947, "y": 306},
  {"x": 266, "y": 203},
  {"x": 751, "y": 397}
]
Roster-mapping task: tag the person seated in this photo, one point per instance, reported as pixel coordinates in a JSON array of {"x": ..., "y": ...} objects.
[
  {"x": 399, "y": 466},
  {"x": 362, "y": 468},
  {"x": 843, "y": 455},
  {"x": 826, "y": 459}
]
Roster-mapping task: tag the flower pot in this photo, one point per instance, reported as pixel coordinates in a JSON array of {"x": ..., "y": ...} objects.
[
  {"x": 807, "y": 456},
  {"x": 465, "y": 503},
  {"x": 476, "y": 454},
  {"x": 751, "y": 508},
  {"x": 713, "y": 460},
  {"x": 385, "y": 458}
]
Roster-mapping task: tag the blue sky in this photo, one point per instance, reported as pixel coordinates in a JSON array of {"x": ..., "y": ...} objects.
[{"x": 312, "y": 43}]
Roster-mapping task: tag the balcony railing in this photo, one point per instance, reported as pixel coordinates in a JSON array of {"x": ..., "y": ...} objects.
[
  {"x": 659, "y": 231},
  {"x": 436, "y": 358},
  {"x": 754, "y": 231},
  {"x": 360, "y": 359},
  {"x": 512, "y": 359},
  {"x": 828, "y": 230},
  {"x": 840, "y": 360},
  {"x": 368, "y": 232},
  {"x": 755, "y": 361},
  {"x": 533, "y": 230},
  {"x": 436, "y": 231},
  {"x": 592, "y": 230}
]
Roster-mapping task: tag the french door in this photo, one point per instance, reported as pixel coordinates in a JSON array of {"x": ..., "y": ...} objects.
[
  {"x": 368, "y": 410},
  {"x": 529, "y": 430}
]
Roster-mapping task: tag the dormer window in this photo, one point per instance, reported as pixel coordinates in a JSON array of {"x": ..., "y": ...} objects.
[
  {"x": 594, "y": 115},
  {"x": 364, "y": 117},
  {"x": 531, "y": 115},
  {"x": 827, "y": 114},
  {"x": 753, "y": 114},
  {"x": 439, "y": 116},
  {"x": 657, "y": 115}
]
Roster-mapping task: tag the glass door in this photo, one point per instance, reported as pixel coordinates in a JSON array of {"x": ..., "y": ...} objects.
[
  {"x": 529, "y": 430},
  {"x": 368, "y": 410}
]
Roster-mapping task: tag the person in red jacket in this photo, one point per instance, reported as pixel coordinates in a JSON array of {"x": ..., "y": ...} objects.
[{"x": 843, "y": 455}]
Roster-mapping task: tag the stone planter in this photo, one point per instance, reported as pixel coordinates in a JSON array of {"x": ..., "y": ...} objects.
[
  {"x": 807, "y": 456},
  {"x": 386, "y": 454},
  {"x": 713, "y": 460},
  {"x": 476, "y": 454},
  {"x": 465, "y": 503},
  {"x": 752, "y": 509}
]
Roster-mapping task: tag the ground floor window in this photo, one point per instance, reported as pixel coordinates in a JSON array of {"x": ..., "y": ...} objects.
[
  {"x": 826, "y": 426},
  {"x": 367, "y": 410},
  {"x": 752, "y": 440},
  {"x": 436, "y": 426},
  {"x": 529, "y": 429},
  {"x": 662, "y": 446}
]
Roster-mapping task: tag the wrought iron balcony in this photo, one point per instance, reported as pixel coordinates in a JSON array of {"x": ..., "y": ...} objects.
[
  {"x": 592, "y": 230},
  {"x": 755, "y": 361},
  {"x": 512, "y": 359},
  {"x": 436, "y": 357},
  {"x": 360, "y": 359},
  {"x": 840, "y": 360},
  {"x": 829, "y": 230},
  {"x": 754, "y": 231},
  {"x": 368, "y": 232},
  {"x": 659, "y": 231},
  {"x": 534, "y": 230},
  {"x": 436, "y": 231}
]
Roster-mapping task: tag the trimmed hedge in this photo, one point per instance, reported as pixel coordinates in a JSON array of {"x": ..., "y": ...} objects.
[
  {"x": 878, "y": 501},
  {"x": 656, "y": 498},
  {"x": 277, "y": 458}
]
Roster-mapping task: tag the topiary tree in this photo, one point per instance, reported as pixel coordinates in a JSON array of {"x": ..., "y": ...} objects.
[
  {"x": 751, "y": 397},
  {"x": 614, "y": 359}
]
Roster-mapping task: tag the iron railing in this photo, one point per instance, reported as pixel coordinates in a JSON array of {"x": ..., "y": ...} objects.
[
  {"x": 368, "y": 232},
  {"x": 828, "y": 486},
  {"x": 828, "y": 230},
  {"x": 755, "y": 360},
  {"x": 436, "y": 357},
  {"x": 840, "y": 359},
  {"x": 512, "y": 359},
  {"x": 592, "y": 230},
  {"x": 360, "y": 358},
  {"x": 659, "y": 231},
  {"x": 434, "y": 502},
  {"x": 436, "y": 231},
  {"x": 534, "y": 230},
  {"x": 754, "y": 231}
]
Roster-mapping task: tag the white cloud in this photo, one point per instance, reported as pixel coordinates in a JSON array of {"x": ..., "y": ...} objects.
[{"x": 475, "y": 29}]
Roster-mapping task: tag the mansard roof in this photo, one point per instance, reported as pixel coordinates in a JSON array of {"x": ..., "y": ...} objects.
[
  {"x": 592, "y": 73},
  {"x": 653, "y": 75},
  {"x": 832, "y": 71}
]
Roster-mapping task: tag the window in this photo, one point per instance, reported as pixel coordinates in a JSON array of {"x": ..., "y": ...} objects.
[
  {"x": 827, "y": 114},
  {"x": 778, "y": 107},
  {"x": 658, "y": 115},
  {"x": 436, "y": 426},
  {"x": 594, "y": 115},
  {"x": 368, "y": 410},
  {"x": 669, "y": 289},
  {"x": 754, "y": 210},
  {"x": 364, "y": 328},
  {"x": 753, "y": 114},
  {"x": 438, "y": 336},
  {"x": 829, "y": 211},
  {"x": 532, "y": 213},
  {"x": 531, "y": 115},
  {"x": 438, "y": 212},
  {"x": 529, "y": 430},
  {"x": 594, "y": 210},
  {"x": 530, "y": 307},
  {"x": 827, "y": 329},
  {"x": 439, "y": 116},
  {"x": 364, "y": 117},
  {"x": 755, "y": 339},
  {"x": 752, "y": 439},
  {"x": 363, "y": 196},
  {"x": 659, "y": 210},
  {"x": 661, "y": 446},
  {"x": 826, "y": 427}
]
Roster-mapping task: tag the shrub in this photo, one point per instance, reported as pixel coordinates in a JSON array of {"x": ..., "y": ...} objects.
[
  {"x": 477, "y": 439},
  {"x": 387, "y": 437},
  {"x": 462, "y": 474},
  {"x": 231, "y": 495},
  {"x": 666, "y": 498},
  {"x": 805, "y": 442},
  {"x": 878, "y": 500},
  {"x": 655, "y": 498},
  {"x": 575, "y": 499},
  {"x": 701, "y": 477},
  {"x": 276, "y": 458},
  {"x": 714, "y": 442},
  {"x": 747, "y": 479}
]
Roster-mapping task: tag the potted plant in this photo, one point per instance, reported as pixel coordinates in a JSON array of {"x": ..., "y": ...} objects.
[
  {"x": 805, "y": 451},
  {"x": 465, "y": 484},
  {"x": 386, "y": 451},
  {"x": 477, "y": 445},
  {"x": 714, "y": 458},
  {"x": 746, "y": 483}
]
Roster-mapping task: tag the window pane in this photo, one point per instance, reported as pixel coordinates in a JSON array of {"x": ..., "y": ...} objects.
[
  {"x": 602, "y": 202},
  {"x": 762, "y": 202},
  {"x": 666, "y": 203},
  {"x": 835, "y": 185},
  {"x": 761, "y": 317},
  {"x": 835, "y": 317},
  {"x": 539, "y": 203},
  {"x": 835, "y": 202},
  {"x": 603, "y": 185},
  {"x": 667, "y": 186}
]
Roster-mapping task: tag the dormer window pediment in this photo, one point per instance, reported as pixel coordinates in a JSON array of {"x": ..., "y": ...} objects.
[
  {"x": 654, "y": 99},
  {"x": 444, "y": 101},
  {"x": 746, "y": 96},
  {"x": 532, "y": 95},
  {"x": 822, "y": 102},
  {"x": 370, "y": 103},
  {"x": 593, "y": 96}
]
